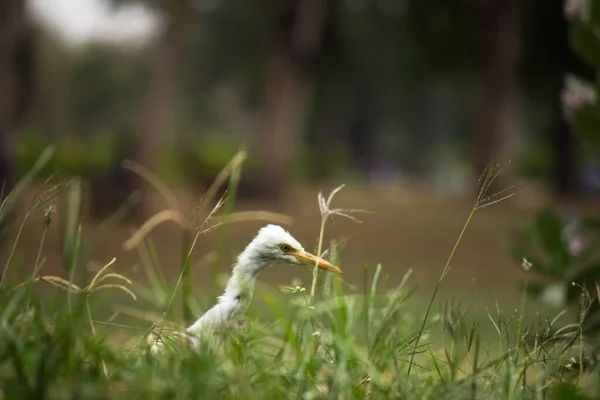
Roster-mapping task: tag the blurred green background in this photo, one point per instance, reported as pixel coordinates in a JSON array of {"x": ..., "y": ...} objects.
[{"x": 406, "y": 101}]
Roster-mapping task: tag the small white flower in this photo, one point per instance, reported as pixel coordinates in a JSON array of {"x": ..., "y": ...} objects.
[
  {"x": 575, "y": 10},
  {"x": 570, "y": 363},
  {"x": 576, "y": 95},
  {"x": 48, "y": 214},
  {"x": 576, "y": 245},
  {"x": 526, "y": 264},
  {"x": 316, "y": 334},
  {"x": 296, "y": 289}
]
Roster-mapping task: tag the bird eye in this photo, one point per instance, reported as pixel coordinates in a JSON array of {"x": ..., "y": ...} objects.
[{"x": 285, "y": 248}]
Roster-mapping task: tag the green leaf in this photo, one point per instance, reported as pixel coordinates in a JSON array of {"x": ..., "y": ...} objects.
[
  {"x": 547, "y": 232},
  {"x": 589, "y": 276},
  {"x": 569, "y": 392},
  {"x": 586, "y": 122},
  {"x": 587, "y": 251},
  {"x": 594, "y": 12},
  {"x": 592, "y": 223},
  {"x": 549, "y": 229},
  {"x": 24, "y": 183},
  {"x": 522, "y": 245},
  {"x": 586, "y": 42}
]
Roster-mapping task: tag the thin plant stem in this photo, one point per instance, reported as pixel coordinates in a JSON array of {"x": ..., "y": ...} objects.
[
  {"x": 186, "y": 287},
  {"x": 437, "y": 288},
  {"x": 581, "y": 343},
  {"x": 150, "y": 177},
  {"x": 475, "y": 367},
  {"x": 314, "y": 282},
  {"x": 518, "y": 343},
  {"x": 93, "y": 329},
  {"x": 37, "y": 259},
  {"x": 581, "y": 346},
  {"x": 12, "y": 250},
  {"x": 74, "y": 260},
  {"x": 316, "y": 269},
  {"x": 490, "y": 174},
  {"x": 228, "y": 207},
  {"x": 41, "y": 246},
  {"x": 520, "y": 327}
]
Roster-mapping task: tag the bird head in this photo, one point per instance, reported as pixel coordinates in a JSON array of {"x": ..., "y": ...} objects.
[{"x": 273, "y": 245}]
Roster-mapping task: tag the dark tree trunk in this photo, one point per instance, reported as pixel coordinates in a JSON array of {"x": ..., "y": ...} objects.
[
  {"x": 277, "y": 138},
  {"x": 157, "y": 109},
  {"x": 360, "y": 141},
  {"x": 295, "y": 44},
  {"x": 499, "y": 30},
  {"x": 16, "y": 79}
]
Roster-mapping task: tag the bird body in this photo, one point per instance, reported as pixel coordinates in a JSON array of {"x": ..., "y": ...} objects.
[
  {"x": 234, "y": 301},
  {"x": 272, "y": 245}
]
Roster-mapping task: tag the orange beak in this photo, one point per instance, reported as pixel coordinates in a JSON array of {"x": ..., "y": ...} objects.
[{"x": 310, "y": 259}]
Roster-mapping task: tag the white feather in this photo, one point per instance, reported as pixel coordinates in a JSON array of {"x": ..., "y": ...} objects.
[{"x": 263, "y": 250}]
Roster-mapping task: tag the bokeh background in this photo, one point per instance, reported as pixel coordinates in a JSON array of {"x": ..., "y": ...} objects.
[{"x": 404, "y": 101}]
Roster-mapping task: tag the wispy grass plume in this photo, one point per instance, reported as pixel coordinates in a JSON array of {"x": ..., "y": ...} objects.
[
  {"x": 482, "y": 200},
  {"x": 327, "y": 212}
]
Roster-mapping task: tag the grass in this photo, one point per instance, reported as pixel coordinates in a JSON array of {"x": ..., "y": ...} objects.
[{"x": 83, "y": 337}]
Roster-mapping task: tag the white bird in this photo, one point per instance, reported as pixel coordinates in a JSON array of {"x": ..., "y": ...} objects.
[{"x": 272, "y": 245}]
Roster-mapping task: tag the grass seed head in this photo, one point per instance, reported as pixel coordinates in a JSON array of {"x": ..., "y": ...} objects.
[
  {"x": 327, "y": 211},
  {"x": 48, "y": 214}
]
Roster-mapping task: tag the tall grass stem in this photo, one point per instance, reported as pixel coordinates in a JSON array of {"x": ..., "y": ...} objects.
[{"x": 436, "y": 289}]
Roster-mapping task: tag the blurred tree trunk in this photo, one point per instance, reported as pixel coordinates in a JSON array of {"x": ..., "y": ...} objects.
[
  {"x": 159, "y": 101},
  {"x": 499, "y": 30},
  {"x": 16, "y": 78},
  {"x": 360, "y": 127},
  {"x": 276, "y": 140},
  {"x": 296, "y": 43}
]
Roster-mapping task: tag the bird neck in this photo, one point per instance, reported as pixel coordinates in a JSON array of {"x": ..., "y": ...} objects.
[
  {"x": 244, "y": 274},
  {"x": 249, "y": 262},
  {"x": 241, "y": 283},
  {"x": 237, "y": 295}
]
